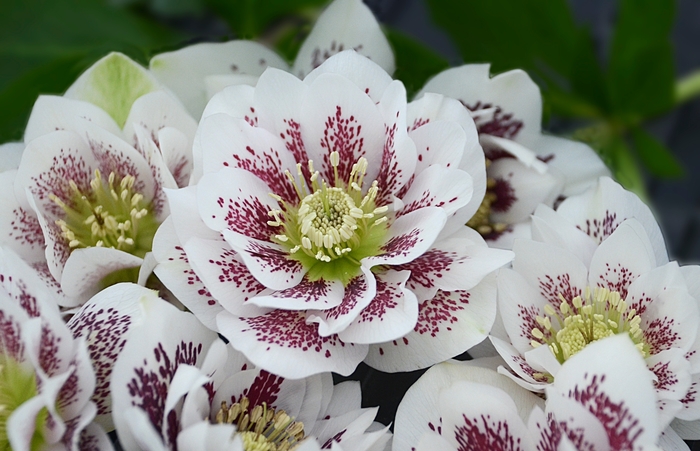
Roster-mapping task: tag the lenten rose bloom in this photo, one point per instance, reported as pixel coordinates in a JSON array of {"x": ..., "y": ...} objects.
[
  {"x": 525, "y": 167},
  {"x": 602, "y": 399},
  {"x": 554, "y": 303},
  {"x": 46, "y": 376},
  {"x": 89, "y": 188},
  {"x": 197, "y": 72},
  {"x": 328, "y": 212},
  {"x": 176, "y": 385}
]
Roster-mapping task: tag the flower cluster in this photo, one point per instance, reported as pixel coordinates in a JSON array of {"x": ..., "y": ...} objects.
[{"x": 189, "y": 251}]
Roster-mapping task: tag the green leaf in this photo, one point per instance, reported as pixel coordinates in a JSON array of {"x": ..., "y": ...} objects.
[
  {"x": 625, "y": 167},
  {"x": 250, "y": 18},
  {"x": 641, "y": 74},
  {"x": 658, "y": 159},
  {"x": 587, "y": 79},
  {"x": 415, "y": 63}
]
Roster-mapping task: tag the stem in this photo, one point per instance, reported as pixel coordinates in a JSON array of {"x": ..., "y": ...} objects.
[{"x": 688, "y": 87}]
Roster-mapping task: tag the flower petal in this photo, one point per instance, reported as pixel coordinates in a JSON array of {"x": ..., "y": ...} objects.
[
  {"x": 438, "y": 186},
  {"x": 318, "y": 294},
  {"x": 23, "y": 231},
  {"x": 283, "y": 343}
]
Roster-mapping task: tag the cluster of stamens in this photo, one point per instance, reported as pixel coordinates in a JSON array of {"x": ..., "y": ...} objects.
[
  {"x": 582, "y": 320},
  {"x": 481, "y": 221},
  {"x": 111, "y": 214},
  {"x": 17, "y": 386},
  {"x": 330, "y": 221},
  {"x": 263, "y": 428}
]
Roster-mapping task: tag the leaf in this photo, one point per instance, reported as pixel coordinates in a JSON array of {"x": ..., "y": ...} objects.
[
  {"x": 250, "y": 18},
  {"x": 415, "y": 63},
  {"x": 641, "y": 74},
  {"x": 658, "y": 159},
  {"x": 587, "y": 79},
  {"x": 625, "y": 167}
]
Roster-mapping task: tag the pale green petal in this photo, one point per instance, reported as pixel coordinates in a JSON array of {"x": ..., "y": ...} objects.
[{"x": 113, "y": 84}]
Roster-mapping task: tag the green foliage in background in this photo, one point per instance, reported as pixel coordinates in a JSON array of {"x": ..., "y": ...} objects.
[{"x": 46, "y": 44}]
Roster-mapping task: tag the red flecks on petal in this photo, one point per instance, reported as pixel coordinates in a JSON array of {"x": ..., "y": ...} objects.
[
  {"x": 288, "y": 329},
  {"x": 105, "y": 330},
  {"x": 385, "y": 299},
  {"x": 527, "y": 369},
  {"x": 192, "y": 277},
  {"x": 601, "y": 228},
  {"x": 236, "y": 272},
  {"x": 67, "y": 165},
  {"x": 660, "y": 335},
  {"x": 319, "y": 55},
  {"x": 344, "y": 135},
  {"x": 273, "y": 260},
  {"x": 70, "y": 389},
  {"x": 484, "y": 432},
  {"x": 247, "y": 216},
  {"x": 26, "y": 230},
  {"x": 691, "y": 396},
  {"x": 427, "y": 267},
  {"x": 353, "y": 293},
  {"x": 437, "y": 314},
  {"x": 527, "y": 316},
  {"x": 552, "y": 286},
  {"x": 389, "y": 171},
  {"x": 109, "y": 160},
  {"x": 311, "y": 291},
  {"x": 337, "y": 438},
  {"x": 622, "y": 426},
  {"x": 503, "y": 125},
  {"x": 48, "y": 351},
  {"x": 665, "y": 377},
  {"x": 418, "y": 123},
  {"x": 267, "y": 166},
  {"x": 616, "y": 278},
  {"x": 505, "y": 196},
  {"x": 401, "y": 245},
  {"x": 10, "y": 339},
  {"x": 264, "y": 389}
]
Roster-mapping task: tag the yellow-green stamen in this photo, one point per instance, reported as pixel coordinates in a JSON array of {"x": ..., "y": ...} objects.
[
  {"x": 582, "y": 320},
  {"x": 17, "y": 386}
]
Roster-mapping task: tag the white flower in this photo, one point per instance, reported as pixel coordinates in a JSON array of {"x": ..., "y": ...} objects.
[
  {"x": 46, "y": 379},
  {"x": 177, "y": 384},
  {"x": 602, "y": 399},
  {"x": 526, "y": 168},
  {"x": 89, "y": 189},
  {"x": 197, "y": 72},
  {"x": 573, "y": 289},
  {"x": 328, "y": 211}
]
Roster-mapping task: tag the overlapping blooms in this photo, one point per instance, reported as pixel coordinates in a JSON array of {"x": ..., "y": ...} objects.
[
  {"x": 176, "y": 385},
  {"x": 46, "y": 376},
  {"x": 89, "y": 189},
  {"x": 315, "y": 225},
  {"x": 602, "y": 399},
  {"x": 581, "y": 285},
  {"x": 525, "y": 167}
]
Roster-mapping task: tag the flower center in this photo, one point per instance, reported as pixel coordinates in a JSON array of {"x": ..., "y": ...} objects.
[
  {"x": 481, "y": 221},
  {"x": 109, "y": 214},
  {"x": 333, "y": 227},
  {"x": 262, "y": 428},
  {"x": 581, "y": 321},
  {"x": 17, "y": 386}
]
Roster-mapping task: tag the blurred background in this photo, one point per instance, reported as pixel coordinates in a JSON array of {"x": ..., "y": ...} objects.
[{"x": 622, "y": 75}]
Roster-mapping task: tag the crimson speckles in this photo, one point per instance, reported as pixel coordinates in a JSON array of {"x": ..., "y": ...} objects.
[
  {"x": 343, "y": 135},
  {"x": 67, "y": 165},
  {"x": 10, "y": 339},
  {"x": 337, "y": 438},
  {"x": 105, "y": 331},
  {"x": 311, "y": 291},
  {"x": 149, "y": 386},
  {"x": 234, "y": 271},
  {"x": 389, "y": 174},
  {"x": 438, "y": 313},
  {"x": 181, "y": 171},
  {"x": 288, "y": 329},
  {"x": 600, "y": 229},
  {"x": 26, "y": 230},
  {"x": 88, "y": 442},
  {"x": 252, "y": 118},
  {"x": 26, "y": 300},
  {"x": 418, "y": 123},
  {"x": 294, "y": 143},
  {"x": 264, "y": 389},
  {"x": 528, "y": 322},
  {"x": 70, "y": 388},
  {"x": 529, "y": 370},
  {"x": 484, "y": 432},
  {"x": 355, "y": 290},
  {"x": 385, "y": 299},
  {"x": 616, "y": 278},
  {"x": 267, "y": 167},
  {"x": 665, "y": 377},
  {"x": 427, "y": 199},
  {"x": 505, "y": 196},
  {"x": 621, "y": 425},
  {"x": 318, "y": 56},
  {"x": 429, "y": 266},
  {"x": 691, "y": 395},
  {"x": 501, "y": 124},
  {"x": 553, "y": 286},
  {"x": 247, "y": 216},
  {"x": 401, "y": 245},
  {"x": 110, "y": 160},
  {"x": 192, "y": 278},
  {"x": 48, "y": 351},
  {"x": 660, "y": 335},
  {"x": 273, "y": 260}
]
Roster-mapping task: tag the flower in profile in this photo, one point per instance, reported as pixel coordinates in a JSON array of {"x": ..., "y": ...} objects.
[
  {"x": 176, "y": 385},
  {"x": 46, "y": 379},
  {"x": 197, "y": 72},
  {"x": 602, "y": 399},
  {"x": 89, "y": 189},
  {"x": 559, "y": 298},
  {"x": 525, "y": 167},
  {"x": 315, "y": 225}
]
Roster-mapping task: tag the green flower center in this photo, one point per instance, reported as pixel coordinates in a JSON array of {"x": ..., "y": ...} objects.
[
  {"x": 333, "y": 227},
  {"x": 109, "y": 214},
  {"x": 17, "y": 386},
  {"x": 583, "y": 320},
  {"x": 262, "y": 428}
]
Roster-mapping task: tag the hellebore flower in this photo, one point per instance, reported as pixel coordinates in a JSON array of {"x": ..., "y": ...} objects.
[
  {"x": 315, "y": 224},
  {"x": 176, "y": 385}
]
